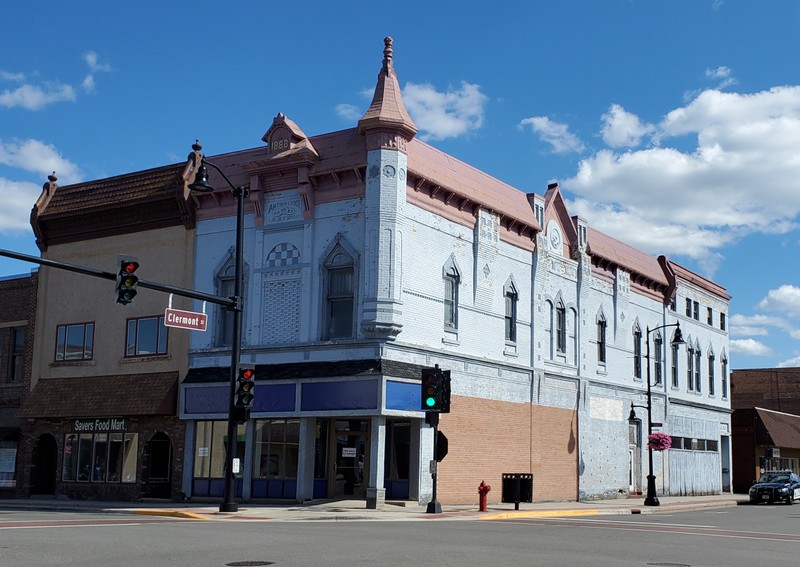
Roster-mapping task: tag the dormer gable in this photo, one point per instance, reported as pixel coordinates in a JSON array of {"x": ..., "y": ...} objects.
[{"x": 285, "y": 137}]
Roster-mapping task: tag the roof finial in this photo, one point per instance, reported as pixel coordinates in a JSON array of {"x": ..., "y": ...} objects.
[
  {"x": 52, "y": 177},
  {"x": 387, "y": 51}
]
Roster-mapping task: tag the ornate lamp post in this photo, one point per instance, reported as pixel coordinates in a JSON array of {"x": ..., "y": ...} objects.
[
  {"x": 651, "y": 499},
  {"x": 201, "y": 185}
]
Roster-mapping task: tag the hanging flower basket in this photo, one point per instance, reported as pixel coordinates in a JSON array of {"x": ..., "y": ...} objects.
[{"x": 659, "y": 441}]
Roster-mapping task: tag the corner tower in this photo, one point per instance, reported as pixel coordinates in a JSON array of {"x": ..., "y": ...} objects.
[{"x": 387, "y": 129}]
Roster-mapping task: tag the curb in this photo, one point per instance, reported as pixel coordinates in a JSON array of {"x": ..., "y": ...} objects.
[{"x": 171, "y": 513}]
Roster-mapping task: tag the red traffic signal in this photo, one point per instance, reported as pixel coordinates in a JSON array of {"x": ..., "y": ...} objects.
[
  {"x": 245, "y": 386},
  {"x": 126, "y": 279}
]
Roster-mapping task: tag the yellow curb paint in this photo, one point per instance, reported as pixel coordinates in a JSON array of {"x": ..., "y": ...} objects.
[
  {"x": 171, "y": 513},
  {"x": 540, "y": 514}
]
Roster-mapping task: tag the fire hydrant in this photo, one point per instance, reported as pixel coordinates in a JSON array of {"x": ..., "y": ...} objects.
[{"x": 483, "y": 490}]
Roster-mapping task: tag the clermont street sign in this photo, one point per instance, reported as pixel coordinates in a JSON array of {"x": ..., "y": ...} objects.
[{"x": 185, "y": 319}]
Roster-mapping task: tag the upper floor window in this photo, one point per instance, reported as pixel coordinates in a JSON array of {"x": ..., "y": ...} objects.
[
  {"x": 14, "y": 344},
  {"x": 658, "y": 348},
  {"x": 226, "y": 288},
  {"x": 696, "y": 311},
  {"x": 637, "y": 353},
  {"x": 74, "y": 341},
  {"x": 722, "y": 321},
  {"x": 697, "y": 358},
  {"x": 690, "y": 369},
  {"x": 724, "y": 377},
  {"x": 451, "y": 280},
  {"x": 674, "y": 365},
  {"x": 688, "y": 307},
  {"x": 561, "y": 328},
  {"x": 710, "y": 316},
  {"x": 511, "y": 296},
  {"x": 146, "y": 336},
  {"x": 340, "y": 282},
  {"x": 601, "y": 339},
  {"x": 711, "y": 385}
]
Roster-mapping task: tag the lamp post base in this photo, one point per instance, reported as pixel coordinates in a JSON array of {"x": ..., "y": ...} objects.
[
  {"x": 651, "y": 499},
  {"x": 229, "y": 507}
]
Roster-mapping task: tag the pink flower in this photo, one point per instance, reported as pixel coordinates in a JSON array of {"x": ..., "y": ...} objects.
[{"x": 659, "y": 441}]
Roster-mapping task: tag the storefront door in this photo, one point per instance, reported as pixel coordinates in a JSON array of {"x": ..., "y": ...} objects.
[{"x": 350, "y": 447}]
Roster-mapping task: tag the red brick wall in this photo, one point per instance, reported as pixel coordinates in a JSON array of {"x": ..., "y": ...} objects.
[{"x": 489, "y": 438}]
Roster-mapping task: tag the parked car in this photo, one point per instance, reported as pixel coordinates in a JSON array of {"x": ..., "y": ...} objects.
[{"x": 776, "y": 486}]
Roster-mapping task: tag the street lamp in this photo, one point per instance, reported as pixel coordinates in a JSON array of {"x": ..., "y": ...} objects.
[
  {"x": 201, "y": 185},
  {"x": 651, "y": 499}
]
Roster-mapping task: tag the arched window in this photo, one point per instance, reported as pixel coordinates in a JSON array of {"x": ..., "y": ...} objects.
[
  {"x": 452, "y": 277},
  {"x": 602, "y": 326},
  {"x": 511, "y": 297},
  {"x": 724, "y": 376},
  {"x": 711, "y": 378},
  {"x": 561, "y": 328},
  {"x": 340, "y": 285},
  {"x": 637, "y": 352},
  {"x": 658, "y": 344}
]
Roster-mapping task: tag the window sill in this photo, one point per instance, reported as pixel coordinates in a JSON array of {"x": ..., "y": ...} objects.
[
  {"x": 62, "y": 363},
  {"x": 450, "y": 337},
  {"x": 145, "y": 358},
  {"x": 510, "y": 349}
]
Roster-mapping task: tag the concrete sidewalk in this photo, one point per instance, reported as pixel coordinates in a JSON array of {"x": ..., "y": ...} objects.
[{"x": 355, "y": 510}]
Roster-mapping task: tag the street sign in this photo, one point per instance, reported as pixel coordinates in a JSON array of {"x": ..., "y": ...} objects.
[{"x": 185, "y": 319}]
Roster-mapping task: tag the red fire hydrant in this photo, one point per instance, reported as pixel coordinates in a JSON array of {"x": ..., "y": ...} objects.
[{"x": 483, "y": 490}]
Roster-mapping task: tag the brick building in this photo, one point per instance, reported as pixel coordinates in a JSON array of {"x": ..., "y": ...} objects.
[
  {"x": 100, "y": 421},
  {"x": 17, "y": 324},
  {"x": 766, "y": 422},
  {"x": 370, "y": 255}
]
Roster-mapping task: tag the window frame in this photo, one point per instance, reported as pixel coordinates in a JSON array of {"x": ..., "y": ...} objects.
[
  {"x": 511, "y": 297},
  {"x": 602, "y": 328},
  {"x": 637, "y": 352},
  {"x": 658, "y": 342},
  {"x": 161, "y": 338},
  {"x": 561, "y": 328},
  {"x": 711, "y": 376},
  {"x": 62, "y": 342}
]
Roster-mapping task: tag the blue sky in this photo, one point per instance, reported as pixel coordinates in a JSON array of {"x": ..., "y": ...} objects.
[{"x": 674, "y": 126}]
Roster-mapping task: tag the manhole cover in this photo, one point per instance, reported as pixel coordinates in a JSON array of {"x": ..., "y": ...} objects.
[{"x": 249, "y": 563}]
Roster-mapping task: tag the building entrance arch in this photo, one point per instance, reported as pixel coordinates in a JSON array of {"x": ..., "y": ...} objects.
[
  {"x": 44, "y": 463},
  {"x": 157, "y": 477}
]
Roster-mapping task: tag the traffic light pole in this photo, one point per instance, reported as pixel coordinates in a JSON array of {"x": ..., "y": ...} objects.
[
  {"x": 432, "y": 417},
  {"x": 183, "y": 292}
]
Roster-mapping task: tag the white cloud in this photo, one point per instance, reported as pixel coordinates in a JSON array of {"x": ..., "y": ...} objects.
[
  {"x": 721, "y": 74},
  {"x": 38, "y": 157},
  {"x": 738, "y": 178},
  {"x": 449, "y": 114},
  {"x": 750, "y": 347},
  {"x": 785, "y": 299},
  {"x": 791, "y": 363},
  {"x": 95, "y": 66},
  {"x": 15, "y": 77},
  {"x": 348, "y": 112},
  {"x": 18, "y": 199},
  {"x": 623, "y": 129},
  {"x": 35, "y": 97},
  {"x": 554, "y": 133}
]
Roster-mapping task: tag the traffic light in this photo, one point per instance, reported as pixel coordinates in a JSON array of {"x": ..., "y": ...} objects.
[
  {"x": 435, "y": 393},
  {"x": 126, "y": 279},
  {"x": 245, "y": 386}
]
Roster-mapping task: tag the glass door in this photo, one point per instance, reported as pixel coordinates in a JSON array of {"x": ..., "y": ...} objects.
[{"x": 350, "y": 447}]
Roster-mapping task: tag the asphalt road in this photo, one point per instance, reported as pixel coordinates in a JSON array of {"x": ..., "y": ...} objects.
[{"x": 730, "y": 537}]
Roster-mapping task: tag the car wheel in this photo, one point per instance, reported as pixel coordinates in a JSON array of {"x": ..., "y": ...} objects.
[{"x": 790, "y": 500}]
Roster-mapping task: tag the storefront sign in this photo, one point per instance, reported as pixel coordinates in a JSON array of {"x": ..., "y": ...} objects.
[
  {"x": 348, "y": 452},
  {"x": 100, "y": 425}
]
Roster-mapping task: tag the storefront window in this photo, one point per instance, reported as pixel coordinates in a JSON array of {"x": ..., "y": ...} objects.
[
  {"x": 277, "y": 443},
  {"x": 210, "y": 448},
  {"x": 100, "y": 457}
]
